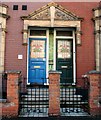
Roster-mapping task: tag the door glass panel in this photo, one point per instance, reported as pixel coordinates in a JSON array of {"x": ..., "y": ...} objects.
[
  {"x": 37, "y": 49},
  {"x": 64, "y": 49},
  {"x": 64, "y": 33}
]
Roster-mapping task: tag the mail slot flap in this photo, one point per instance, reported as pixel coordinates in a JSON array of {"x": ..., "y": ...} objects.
[
  {"x": 37, "y": 66},
  {"x": 64, "y": 66}
]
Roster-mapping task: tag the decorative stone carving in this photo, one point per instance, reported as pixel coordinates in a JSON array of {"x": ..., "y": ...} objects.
[
  {"x": 52, "y": 15},
  {"x": 25, "y": 37},
  {"x": 44, "y": 15},
  {"x": 60, "y": 15},
  {"x": 78, "y": 36}
]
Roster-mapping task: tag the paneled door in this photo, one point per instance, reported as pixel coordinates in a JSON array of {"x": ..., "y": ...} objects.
[
  {"x": 64, "y": 59},
  {"x": 37, "y": 61}
]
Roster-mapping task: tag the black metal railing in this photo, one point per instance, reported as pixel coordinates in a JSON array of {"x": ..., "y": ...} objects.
[
  {"x": 74, "y": 99},
  {"x": 35, "y": 102},
  {"x": 22, "y": 85},
  {"x": 34, "y": 99},
  {"x": 4, "y": 86}
]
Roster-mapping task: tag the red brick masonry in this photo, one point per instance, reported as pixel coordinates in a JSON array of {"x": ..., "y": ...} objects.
[
  {"x": 95, "y": 92},
  {"x": 54, "y": 93},
  {"x": 10, "y": 107}
]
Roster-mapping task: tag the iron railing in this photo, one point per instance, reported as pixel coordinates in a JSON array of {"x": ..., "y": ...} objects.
[
  {"x": 35, "y": 101},
  {"x": 74, "y": 99},
  {"x": 4, "y": 86}
]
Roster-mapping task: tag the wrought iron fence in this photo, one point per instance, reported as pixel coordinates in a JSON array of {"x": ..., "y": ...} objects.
[
  {"x": 4, "y": 86},
  {"x": 35, "y": 101},
  {"x": 74, "y": 99}
]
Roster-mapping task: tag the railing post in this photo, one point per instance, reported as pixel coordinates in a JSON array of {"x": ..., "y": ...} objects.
[
  {"x": 95, "y": 92},
  {"x": 54, "y": 93}
]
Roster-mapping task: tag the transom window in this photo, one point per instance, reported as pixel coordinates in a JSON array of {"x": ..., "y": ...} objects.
[
  {"x": 64, "y": 33},
  {"x": 37, "y": 32}
]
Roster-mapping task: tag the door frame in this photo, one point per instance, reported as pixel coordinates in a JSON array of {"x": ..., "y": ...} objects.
[
  {"x": 54, "y": 56},
  {"x": 74, "y": 51},
  {"x": 47, "y": 50}
]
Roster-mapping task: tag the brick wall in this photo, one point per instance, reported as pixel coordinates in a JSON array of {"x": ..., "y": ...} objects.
[
  {"x": 54, "y": 93},
  {"x": 11, "y": 105},
  {"x": 85, "y": 52},
  {"x": 95, "y": 92}
]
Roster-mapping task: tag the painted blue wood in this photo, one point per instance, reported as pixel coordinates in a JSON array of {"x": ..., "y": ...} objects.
[{"x": 37, "y": 66}]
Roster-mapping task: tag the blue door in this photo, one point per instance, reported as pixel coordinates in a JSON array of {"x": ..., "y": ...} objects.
[{"x": 37, "y": 61}]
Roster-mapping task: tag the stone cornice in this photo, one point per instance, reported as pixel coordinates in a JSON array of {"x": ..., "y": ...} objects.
[
  {"x": 4, "y": 15},
  {"x": 80, "y": 32},
  {"x": 3, "y": 5},
  {"x": 97, "y": 18},
  {"x": 97, "y": 31},
  {"x": 25, "y": 31},
  {"x": 98, "y": 8},
  {"x": 13, "y": 72},
  {"x": 4, "y": 29},
  {"x": 24, "y": 17}
]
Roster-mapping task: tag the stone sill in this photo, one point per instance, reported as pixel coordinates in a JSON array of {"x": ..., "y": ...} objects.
[
  {"x": 3, "y": 100},
  {"x": 13, "y": 71},
  {"x": 93, "y": 72}
]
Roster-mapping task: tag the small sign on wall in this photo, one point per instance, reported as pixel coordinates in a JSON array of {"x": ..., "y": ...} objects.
[{"x": 20, "y": 57}]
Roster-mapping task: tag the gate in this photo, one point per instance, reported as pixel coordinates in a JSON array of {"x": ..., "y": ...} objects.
[
  {"x": 74, "y": 100},
  {"x": 35, "y": 102}
]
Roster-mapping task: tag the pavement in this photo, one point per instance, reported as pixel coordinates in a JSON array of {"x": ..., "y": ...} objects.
[{"x": 56, "y": 118}]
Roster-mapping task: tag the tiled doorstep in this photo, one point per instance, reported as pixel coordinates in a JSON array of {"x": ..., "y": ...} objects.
[{"x": 70, "y": 113}]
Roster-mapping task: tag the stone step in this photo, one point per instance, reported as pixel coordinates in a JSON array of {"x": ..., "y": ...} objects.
[
  {"x": 41, "y": 105},
  {"x": 46, "y": 102},
  {"x": 43, "y": 93},
  {"x": 32, "y": 100},
  {"x": 46, "y": 89},
  {"x": 47, "y": 95},
  {"x": 40, "y": 112}
]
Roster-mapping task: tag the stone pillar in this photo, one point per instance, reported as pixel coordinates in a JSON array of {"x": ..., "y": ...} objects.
[
  {"x": 97, "y": 31},
  {"x": 11, "y": 109},
  {"x": 54, "y": 93},
  {"x": 94, "y": 92}
]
